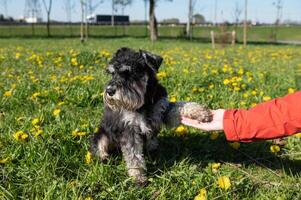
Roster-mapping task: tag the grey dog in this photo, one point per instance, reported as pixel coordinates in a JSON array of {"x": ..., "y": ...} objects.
[{"x": 135, "y": 107}]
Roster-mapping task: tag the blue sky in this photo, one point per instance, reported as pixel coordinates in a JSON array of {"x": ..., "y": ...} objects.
[{"x": 261, "y": 10}]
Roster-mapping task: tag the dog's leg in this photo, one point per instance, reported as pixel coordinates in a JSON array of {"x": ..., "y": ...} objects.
[
  {"x": 132, "y": 149},
  {"x": 152, "y": 144},
  {"x": 100, "y": 145}
]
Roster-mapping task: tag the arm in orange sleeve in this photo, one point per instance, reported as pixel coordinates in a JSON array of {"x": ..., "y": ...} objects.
[{"x": 276, "y": 118}]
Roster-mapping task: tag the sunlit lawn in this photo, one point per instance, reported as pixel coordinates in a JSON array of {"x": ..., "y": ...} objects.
[{"x": 51, "y": 102}]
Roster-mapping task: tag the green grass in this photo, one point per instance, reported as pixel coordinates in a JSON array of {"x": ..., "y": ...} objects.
[
  {"x": 52, "y": 165},
  {"x": 255, "y": 33}
]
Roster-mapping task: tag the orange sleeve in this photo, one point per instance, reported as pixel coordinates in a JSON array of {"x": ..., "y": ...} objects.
[{"x": 276, "y": 118}]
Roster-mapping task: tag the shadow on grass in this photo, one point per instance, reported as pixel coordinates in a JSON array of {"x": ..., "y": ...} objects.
[{"x": 200, "y": 150}]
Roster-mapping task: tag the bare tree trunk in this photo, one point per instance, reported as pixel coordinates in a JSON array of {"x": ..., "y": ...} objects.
[
  {"x": 188, "y": 26},
  {"x": 153, "y": 22},
  {"x": 48, "y": 11},
  {"x": 112, "y": 18},
  {"x": 86, "y": 22},
  {"x": 245, "y": 23},
  {"x": 82, "y": 22}
]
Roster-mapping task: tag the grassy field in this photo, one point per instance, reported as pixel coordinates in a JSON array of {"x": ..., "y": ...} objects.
[
  {"x": 255, "y": 34},
  {"x": 51, "y": 102}
]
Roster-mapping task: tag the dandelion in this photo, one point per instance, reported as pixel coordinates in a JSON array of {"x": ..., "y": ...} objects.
[
  {"x": 215, "y": 166},
  {"x": 56, "y": 112},
  {"x": 88, "y": 157},
  {"x": 224, "y": 182},
  {"x": 214, "y": 135},
  {"x": 38, "y": 133},
  {"x": 266, "y": 98},
  {"x": 4, "y": 161},
  {"x": 35, "y": 95},
  {"x": 35, "y": 121},
  {"x": 290, "y": 90},
  {"x": 202, "y": 195},
  {"x": 161, "y": 75},
  {"x": 77, "y": 133},
  {"x": 61, "y": 103},
  {"x": 8, "y": 93},
  {"x": 172, "y": 99},
  {"x": 253, "y": 104},
  {"x": 20, "y": 136},
  {"x": 298, "y": 135},
  {"x": 274, "y": 148},
  {"x": 235, "y": 145},
  {"x": 181, "y": 130}
]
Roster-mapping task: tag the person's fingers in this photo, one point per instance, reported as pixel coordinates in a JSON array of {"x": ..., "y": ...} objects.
[
  {"x": 189, "y": 120},
  {"x": 196, "y": 124}
]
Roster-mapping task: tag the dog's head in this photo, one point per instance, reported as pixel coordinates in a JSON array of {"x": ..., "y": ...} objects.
[{"x": 133, "y": 77}]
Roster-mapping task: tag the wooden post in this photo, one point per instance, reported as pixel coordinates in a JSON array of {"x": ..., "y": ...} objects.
[
  {"x": 212, "y": 39},
  {"x": 233, "y": 38}
]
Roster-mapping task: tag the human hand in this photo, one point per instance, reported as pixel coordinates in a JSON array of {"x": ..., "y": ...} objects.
[{"x": 215, "y": 125}]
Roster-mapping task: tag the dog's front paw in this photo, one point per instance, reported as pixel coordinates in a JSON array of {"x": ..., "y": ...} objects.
[
  {"x": 196, "y": 111},
  {"x": 138, "y": 176},
  {"x": 206, "y": 116}
]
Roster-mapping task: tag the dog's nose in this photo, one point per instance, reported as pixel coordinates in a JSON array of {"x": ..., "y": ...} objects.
[{"x": 110, "y": 91}]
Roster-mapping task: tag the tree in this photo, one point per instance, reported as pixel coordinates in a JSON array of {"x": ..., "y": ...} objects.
[
  {"x": 279, "y": 6},
  {"x": 123, "y": 4},
  {"x": 4, "y": 5},
  {"x": 191, "y": 6},
  {"x": 153, "y": 21},
  {"x": 198, "y": 19},
  {"x": 83, "y": 6},
  {"x": 48, "y": 11},
  {"x": 246, "y": 23},
  {"x": 237, "y": 12}
]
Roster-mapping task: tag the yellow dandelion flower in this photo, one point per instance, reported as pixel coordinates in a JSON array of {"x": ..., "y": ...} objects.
[
  {"x": 214, "y": 135},
  {"x": 4, "y": 161},
  {"x": 77, "y": 133},
  {"x": 8, "y": 93},
  {"x": 181, "y": 130},
  {"x": 172, "y": 99},
  {"x": 56, "y": 112},
  {"x": 96, "y": 130},
  {"x": 61, "y": 103},
  {"x": 195, "y": 89},
  {"x": 38, "y": 133},
  {"x": 290, "y": 90},
  {"x": 254, "y": 92},
  {"x": 298, "y": 135},
  {"x": 224, "y": 182},
  {"x": 211, "y": 86},
  {"x": 274, "y": 148},
  {"x": 20, "y": 136},
  {"x": 88, "y": 157},
  {"x": 161, "y": 75},
  {"x": 88, "y": 198},
  {"x": 35, "y": 95},
  {"x": 202, "y": 195},
  {"x": 215, "y": 166},
  {"x": 253, "y": 104},
  {"x": 18, "y": 55},
  {"x": 35, "y": 121},
  {"x": 235, "y": 145},
  {"x": 266, "y": 98}
]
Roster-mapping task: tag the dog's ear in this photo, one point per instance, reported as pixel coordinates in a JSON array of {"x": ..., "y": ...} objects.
[
  {"x": 121, "y": 51},
  {"x": 152, "y": 60}
]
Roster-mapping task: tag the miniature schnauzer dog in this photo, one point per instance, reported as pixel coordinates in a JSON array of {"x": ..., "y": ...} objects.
[{"x": 135, "y": 107}]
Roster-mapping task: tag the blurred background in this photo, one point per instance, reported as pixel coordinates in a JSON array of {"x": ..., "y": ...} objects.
[{"x": 268, "y": 21}]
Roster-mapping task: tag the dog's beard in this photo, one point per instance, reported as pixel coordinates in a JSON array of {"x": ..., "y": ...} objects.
[{"x": 127, "y": 98}]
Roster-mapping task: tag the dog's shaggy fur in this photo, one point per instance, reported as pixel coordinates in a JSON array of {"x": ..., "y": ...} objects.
[{"x": 136, "y": 105}]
